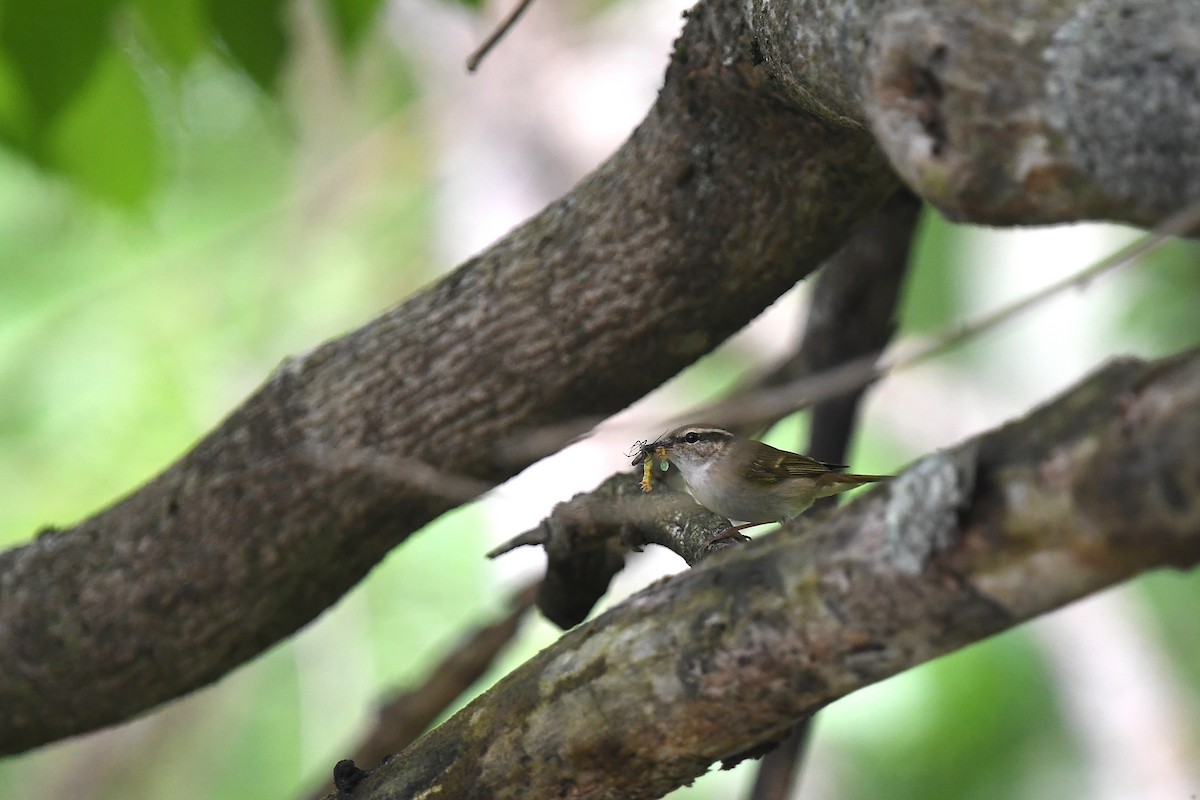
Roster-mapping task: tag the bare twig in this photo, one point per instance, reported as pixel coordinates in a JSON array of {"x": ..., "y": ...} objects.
[
  {"x": 775, "y": 403},
  {"x": 406, "y": 716},
  {"x": 585, "y": 537},
  {"x": 964, "y": 544},
  {"x": 1185, "y": 222},
  {"x": 862, "y": 283},
  {"x": 496, "y": 35}
]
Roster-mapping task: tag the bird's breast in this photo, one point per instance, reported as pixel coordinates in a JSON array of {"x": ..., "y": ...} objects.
[{"x": 737, "y": 502}]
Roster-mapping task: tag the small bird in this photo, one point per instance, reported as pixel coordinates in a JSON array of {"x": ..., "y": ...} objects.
[{"x": 748, "y": 481}]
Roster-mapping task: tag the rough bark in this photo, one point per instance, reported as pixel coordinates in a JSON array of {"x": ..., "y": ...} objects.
[
  {"x": 852, "y": 314},
  {"x": 406, "y": 716},
  {"x": 1008, "y": 111},
  {"x": 748, "y": 171},
  {"x": 639, "y": 271},
  {"x": 1092, "y": 489}
]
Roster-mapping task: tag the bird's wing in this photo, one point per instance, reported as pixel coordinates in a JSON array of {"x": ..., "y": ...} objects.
[{"x": 773, "y": 465}]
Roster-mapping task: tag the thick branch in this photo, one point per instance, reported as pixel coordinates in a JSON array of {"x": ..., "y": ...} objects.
[
  {"x": 1008, "y": 111},
  {"x": 728, "y": 192},
  {"x": 723, "y": 198},
  {"x": 1090, "y": 490},
  {"x": 852, "y": 315}
]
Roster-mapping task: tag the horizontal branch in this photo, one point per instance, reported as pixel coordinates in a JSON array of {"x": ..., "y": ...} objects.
[
  {"x": 1008, "y": 111},
  {"x": 1089, "y": 490}
]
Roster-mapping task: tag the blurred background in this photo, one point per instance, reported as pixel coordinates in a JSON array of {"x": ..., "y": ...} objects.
[{"x": 191, "y": 192}]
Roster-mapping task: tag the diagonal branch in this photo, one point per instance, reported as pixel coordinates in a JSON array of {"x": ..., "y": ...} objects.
[
  {"x": 586, "y": 307},
  {"x": 852, "y": 315},
  {"x": 406, "y": 716},
  {"x": 1092, "y": 489},
  {"x": 752, "y": 166}
]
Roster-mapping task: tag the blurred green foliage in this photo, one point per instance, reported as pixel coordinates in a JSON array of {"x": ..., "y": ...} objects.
[
  {"x": 934, "y": 291},
  {"x": 1161, "y": 306},
  {"x": 126, "y": 336},
  {"x": 352, "y": 19},
  {"x": 962, "y": 726},
  {"x": 73, "y": 99}
]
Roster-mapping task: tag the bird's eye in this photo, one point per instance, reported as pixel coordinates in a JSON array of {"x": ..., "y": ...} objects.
[{"x": 691, "y": 437}]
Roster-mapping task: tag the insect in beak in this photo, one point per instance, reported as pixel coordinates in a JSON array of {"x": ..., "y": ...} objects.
[
  {"x": 641, "y": 447},
  {"x": 649, "y": 455},
  {"x": 647, "y": 470}
]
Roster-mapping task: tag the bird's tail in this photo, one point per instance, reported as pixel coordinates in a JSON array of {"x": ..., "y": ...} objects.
[{"x": 834, "y": 482}]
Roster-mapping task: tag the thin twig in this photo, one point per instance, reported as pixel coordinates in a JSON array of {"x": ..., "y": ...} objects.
[
  {"x": 409, "y": 714},
  {"x": 799, "y": 394},
  {"x": 767, "y": 404},
  {"x": 1179, "y": 224},
  {"x": 496, "y": 35}
]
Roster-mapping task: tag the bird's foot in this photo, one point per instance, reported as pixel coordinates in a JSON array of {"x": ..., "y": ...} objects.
[{"x": 729, "y": 534}]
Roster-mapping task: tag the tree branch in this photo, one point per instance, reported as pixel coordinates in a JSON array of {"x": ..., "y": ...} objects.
[
  {"x": 639, "y": 271},
  {"x": 852, "y": 314},
  {"x": 1092, "y": 489},
  {"x": 1005, "y": 111},
  {"x": 407, "y": 715},
  {"x": 747, "y": 172}
]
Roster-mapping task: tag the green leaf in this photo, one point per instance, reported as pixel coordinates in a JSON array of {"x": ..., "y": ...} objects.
[
  {"x": 16, "y": 117},
  {"x": 106, "y": 140},
  {"x": 178, "y": 28},
  {"x": 52, "y": 47},
  {"x": 934, "y": 288},
  {"x": 351, "y": 19},
  {"x": 254, "y": 35}
]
